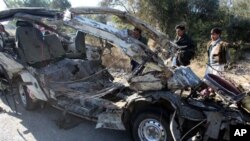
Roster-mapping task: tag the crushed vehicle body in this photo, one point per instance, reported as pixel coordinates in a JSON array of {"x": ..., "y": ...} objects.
[{"x": 150, "y": 104}]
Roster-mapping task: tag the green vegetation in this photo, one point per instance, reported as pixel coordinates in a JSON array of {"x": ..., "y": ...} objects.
[
  {"x": 57, "y": 4},
  {"x": 199, "y": 16}
]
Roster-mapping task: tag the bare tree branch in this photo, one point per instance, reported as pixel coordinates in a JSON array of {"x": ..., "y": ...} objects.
[
  {"x": 6, "y": 3},
  {"x": 123, "y": 5}
]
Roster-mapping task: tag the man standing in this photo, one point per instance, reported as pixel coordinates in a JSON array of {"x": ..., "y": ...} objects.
[
  {"x": 186, "y": 49},
  {"x": 136, "y": 33},
  {"x": 218, "y": 53}
]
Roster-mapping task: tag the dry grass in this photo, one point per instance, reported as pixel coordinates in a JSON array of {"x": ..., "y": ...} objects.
[
  {"x": 116, "y": 59},
  {"x": 198, "y": 65},
  {"x": 239, "y": 72},
  {"x": 198, "y": 68}
]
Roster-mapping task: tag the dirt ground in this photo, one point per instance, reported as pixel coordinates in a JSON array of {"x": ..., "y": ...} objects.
[{"x": 238, "y": 72}]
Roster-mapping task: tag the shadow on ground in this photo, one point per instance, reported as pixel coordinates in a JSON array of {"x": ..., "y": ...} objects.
[{"x": 40, "y": 125}]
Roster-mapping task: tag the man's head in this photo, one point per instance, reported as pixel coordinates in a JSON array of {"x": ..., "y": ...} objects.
[
  {"x": 180, "y": 30},
  {"x": 215, "y": 33},
  {"x": 137, "y": 33}
]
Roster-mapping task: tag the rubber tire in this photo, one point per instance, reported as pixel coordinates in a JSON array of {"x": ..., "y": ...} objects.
[
  {"x": 154, "y": 113},
  {"x": 31, "y": 104}
]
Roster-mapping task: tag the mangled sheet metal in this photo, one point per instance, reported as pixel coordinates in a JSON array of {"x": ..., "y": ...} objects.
[
  {"x": 83, "y": 88},
  {"x": 75, "y": 77},
  {"x": 42, "y": 12},
  {"x": 153, "y": 62},
  {"x": 35, "y": 15},
  {"x": 151, "y": 80},
  {"x": 214, "y": 120},
  {"x": 109, "y": 33},
  {"x": 139, "y": 52},
  {"x": 179, "y": 78},
  {"x": 126, "y": 17},
  {"x": 146, "y": 82},
  {"x": 11, "y": 66},
  {"x": 160, "y": 38},
  {"x": 110, "y": 120},
  {"x": 183, "y": 77}
]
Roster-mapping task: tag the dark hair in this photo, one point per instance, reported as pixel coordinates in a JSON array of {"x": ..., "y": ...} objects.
[
  {"x": 181, "y": 27},
  {"x": 137, "y": 29},
  {"x": 216, "y": 30}
]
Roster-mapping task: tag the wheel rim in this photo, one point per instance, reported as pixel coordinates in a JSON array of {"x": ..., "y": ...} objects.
[
  {"x": 152, "y": 130},
  {"x": 22, "y": 95}
]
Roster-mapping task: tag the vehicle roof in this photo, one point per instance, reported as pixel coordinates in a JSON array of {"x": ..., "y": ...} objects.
[
  {"x": 128, "y": 45},
  {"x": 35, "y": 11}
]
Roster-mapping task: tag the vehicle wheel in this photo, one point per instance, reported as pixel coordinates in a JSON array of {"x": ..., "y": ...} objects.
[
  {"x": 151, "y": 125},
  {"x": 26, "y": 100}
]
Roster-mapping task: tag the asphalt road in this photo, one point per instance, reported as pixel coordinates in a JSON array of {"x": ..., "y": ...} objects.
[{"x": 40, "y": 125}]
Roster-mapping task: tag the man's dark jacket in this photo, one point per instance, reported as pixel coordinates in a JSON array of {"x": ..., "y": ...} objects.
[{"x": 185, "y": 54}]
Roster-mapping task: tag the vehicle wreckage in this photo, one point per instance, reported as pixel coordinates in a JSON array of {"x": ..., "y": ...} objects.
[{"x": 151, "y": 105}]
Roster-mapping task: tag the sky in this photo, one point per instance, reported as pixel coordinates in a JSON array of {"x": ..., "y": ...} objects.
[
  {"x": 77, "y": 3},
  {"x": 74, "y": 3},
  {"x": 2, "y": 5}
]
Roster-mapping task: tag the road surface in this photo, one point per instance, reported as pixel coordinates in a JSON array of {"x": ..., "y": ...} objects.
[{"x": 40, "y": 125}]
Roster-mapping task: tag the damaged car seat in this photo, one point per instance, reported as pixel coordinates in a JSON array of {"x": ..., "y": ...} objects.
[
  {"x": 31, "y": 47},
  {"x": 80, "y": 43},
  {"x": 54, "y": 45}
]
